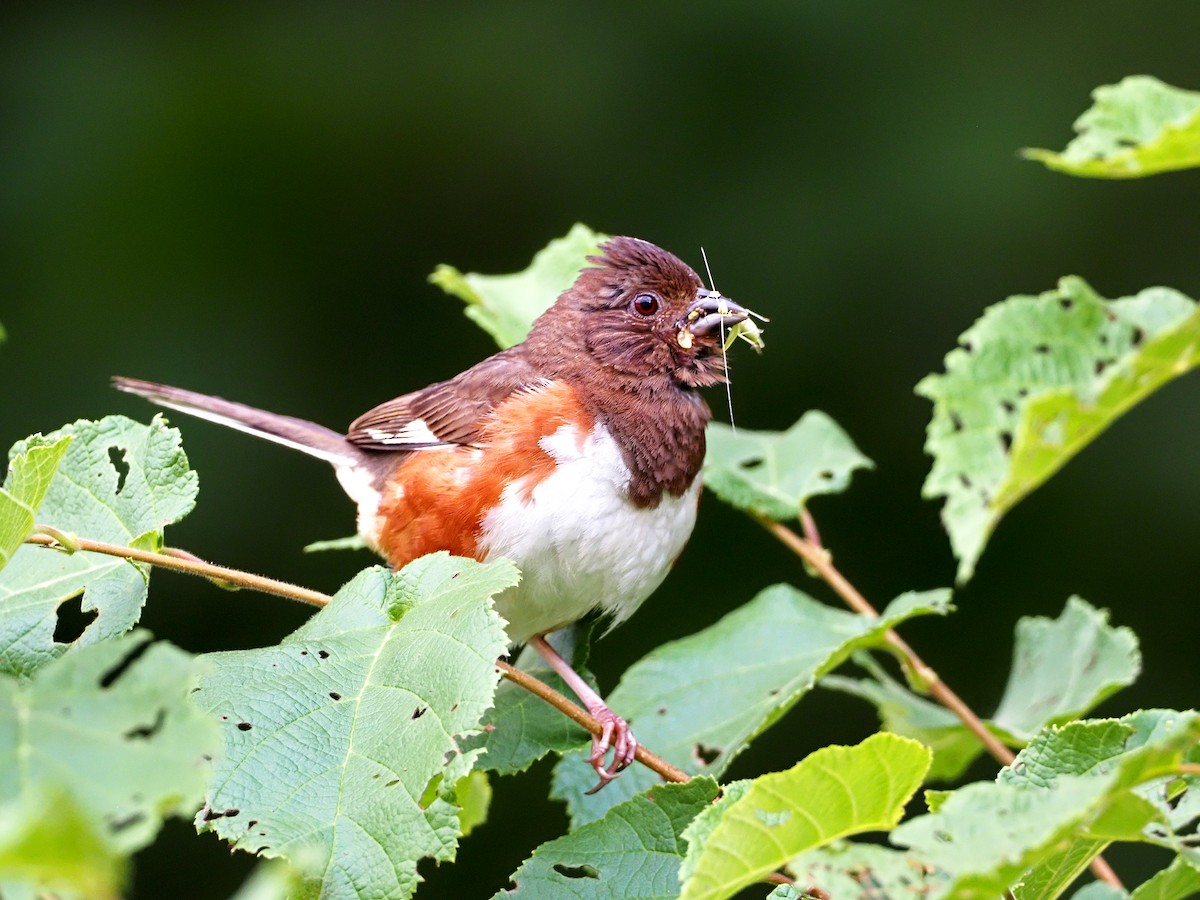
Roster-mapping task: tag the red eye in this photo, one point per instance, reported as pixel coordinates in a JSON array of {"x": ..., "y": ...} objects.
[{"x": 645, "y": 304}]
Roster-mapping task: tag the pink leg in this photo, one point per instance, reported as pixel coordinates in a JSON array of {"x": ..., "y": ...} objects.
[{"x": 616, "y": 733}]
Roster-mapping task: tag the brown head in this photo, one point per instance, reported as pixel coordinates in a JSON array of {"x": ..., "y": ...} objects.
[{"x": 644, "y": 313}]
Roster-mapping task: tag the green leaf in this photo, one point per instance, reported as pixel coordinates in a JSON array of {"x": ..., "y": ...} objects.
[
  {"x": 272, "y": 880},
  {"x": 699, "y": 701},
  {"x": 521, "y": 728},
  {"x": 119, "y": 482},
  {"x": 1043, "y": 820},
  {"x": 775, "y": 473},
  {"x": 850, "y": 871},
  {"x": 473, "y": 794},
  {"x": 50, "y": 847},
  {"x": 110, "y": 729},
  {"x": 342, "y": 741},
  {"x": 505, "y": 305},
  {"x": 834, "y": 792},
  {"x": 1033, "y": 382},
  {"x": 1062, "y": 668},
  {"x": 633, "y": 852},
  {"x": 1098, "y": 890},
  {"x": 25, "y": 485},
  {"x": 1177, "y": 881},
  {"x": 1138, "y": 127}
]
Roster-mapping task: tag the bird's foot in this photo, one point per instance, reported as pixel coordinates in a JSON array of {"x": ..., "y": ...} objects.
[{"x": 616, "y": 736}]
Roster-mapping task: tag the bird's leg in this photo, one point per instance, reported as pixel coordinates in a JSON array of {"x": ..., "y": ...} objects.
[{"x": 616, "y": 733}]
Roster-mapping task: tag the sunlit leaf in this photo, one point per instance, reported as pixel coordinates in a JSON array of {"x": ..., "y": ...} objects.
[
  {"x": 850, "y": 871},
  {"x": 119, "y": 482},
  {"x": 1138, "y": 127},
  {"x": 29, "y": 475},
  {"x": 634, "y": 851},
  {"x": 699, "y": 701},
  {"x": 1032, "y": 383},
  {"x": 832, "y": 793},
  {"x": 342, "y": 741},
  {"x": 1177, "y": 881},
  {"x": 505, "y": 305},
  {"x": 775, "y": 473}
]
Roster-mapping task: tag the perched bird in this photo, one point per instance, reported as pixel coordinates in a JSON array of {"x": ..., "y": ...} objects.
[{"x": 575, "y": 454}]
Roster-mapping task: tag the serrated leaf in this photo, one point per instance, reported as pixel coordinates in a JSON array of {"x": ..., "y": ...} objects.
[
  {"x": 342, "y": 741},
  {"x": 834, "y": 792},
  {"x": 1043, "y": 832},
  {"x": 1137, "y": 127},
  {"x": 119, "y": 482},
  {"x": 25, "y": 485},
  {"x": 51, "y": 848},
  {"x": 850, "y": 871},
  {"x": 505, "y": 305},
  {"x": 634, "y": 851},
  {"x": 109, "y": 728},
  {"x": 1062, "y": 668},
  {"x": 775, "y": 473},
  {"x": 521, "y": 728},
  {"x": 1034, "y": 381},
  {"x": 699, "y": 701},
  {"x": 1177, "y": 881}
]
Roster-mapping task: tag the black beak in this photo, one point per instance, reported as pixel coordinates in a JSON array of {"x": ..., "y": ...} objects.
[{"x": 710, "y": 311}]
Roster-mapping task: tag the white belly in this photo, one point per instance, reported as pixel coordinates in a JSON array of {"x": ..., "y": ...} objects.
[{"x": 579, "y": 542}]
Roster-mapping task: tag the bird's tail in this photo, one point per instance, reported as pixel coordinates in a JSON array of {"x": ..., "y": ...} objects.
[{"x": 299, "y": 434}]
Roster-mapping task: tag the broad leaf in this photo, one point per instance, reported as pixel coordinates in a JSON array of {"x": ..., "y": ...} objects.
[
  {"x": 775, "y": 473},
  {"x": 272, "y": 880},
  {"x": 1177, "y": 881},
  {"x": 1033, "y": 382},
  {"x": 1062, "y": 800},
  {"x": 850, "y": 871},
  {"x": 119, "y": 482},
  {"x": 699, "y": 701},
  {"x": 505, "y": 305},
  {"x": 25, "y": 485},
  {"x": 634, "y": 851},
  {"x": 521, "y": 728},
  {"x": 1062, "y": 668},
  {"x": 1135, "y": 128},
  {"x": 109, "y": 729},
  {"x": 342, "y": 741},
  {"x": 834, "y": 792}
]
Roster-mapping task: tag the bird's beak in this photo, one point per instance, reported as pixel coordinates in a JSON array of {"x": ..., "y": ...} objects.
[{"x": 709, "y": 312}]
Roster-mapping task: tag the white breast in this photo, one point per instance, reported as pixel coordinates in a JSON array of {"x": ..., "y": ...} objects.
[{"x": 579, "y": 541}]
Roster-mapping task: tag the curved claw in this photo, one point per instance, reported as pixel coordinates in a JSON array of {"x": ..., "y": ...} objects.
[{"x": 617, "y": 736}]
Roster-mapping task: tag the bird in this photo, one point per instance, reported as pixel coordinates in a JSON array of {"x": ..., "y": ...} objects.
[{"x": 575, "y": 454}]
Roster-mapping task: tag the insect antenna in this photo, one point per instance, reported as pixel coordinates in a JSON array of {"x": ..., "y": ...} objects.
[{"x": 724, "y": 351}]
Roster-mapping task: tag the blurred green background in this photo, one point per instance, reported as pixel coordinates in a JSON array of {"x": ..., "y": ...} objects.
[{"x": 246, "y": 199}]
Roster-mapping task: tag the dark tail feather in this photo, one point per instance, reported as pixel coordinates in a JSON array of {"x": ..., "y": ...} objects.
[{"x": 299, "y": 434}]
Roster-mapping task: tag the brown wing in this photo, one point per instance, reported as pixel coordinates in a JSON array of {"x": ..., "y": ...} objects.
[{"x": 449, "y": 412}]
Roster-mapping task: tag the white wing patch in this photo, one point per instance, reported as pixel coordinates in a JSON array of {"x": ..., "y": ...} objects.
[{"x": 414, "y": 432}]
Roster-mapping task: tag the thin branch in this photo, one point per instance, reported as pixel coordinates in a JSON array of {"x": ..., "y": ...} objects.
[
  {"x": 819, "y": 560},
  {"x": 182, "y": 561}
]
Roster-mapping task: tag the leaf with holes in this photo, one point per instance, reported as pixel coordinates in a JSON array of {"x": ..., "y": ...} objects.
[
  {"x": 109, "y": 731},
  {"x": 847, "y": 870},
  {"x": 1138, "y": 127},
  {"x": 521, "y": 728},
  {"x": 699, "y": 701},
  {"x": 30, "y": 473},
  {"x": 1066, "y": 796},
  {"x": 1062, "y": 669},
  {"x": 634, "y": 851},
  {"x": 775, "y": 473},
  {"x": 832, "y": 793},
  {"x": 119, "y": 482},
  {"x": 1034, "y": 381},
  {"x": 505, "y": 305},
  {"x": 342, "y": 742}
]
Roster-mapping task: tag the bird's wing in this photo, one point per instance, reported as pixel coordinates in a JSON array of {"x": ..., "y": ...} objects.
[{"x": 449, "y": 412}]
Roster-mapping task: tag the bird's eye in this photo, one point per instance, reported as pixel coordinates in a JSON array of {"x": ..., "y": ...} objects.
[{"x": 645, "y": 304}]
